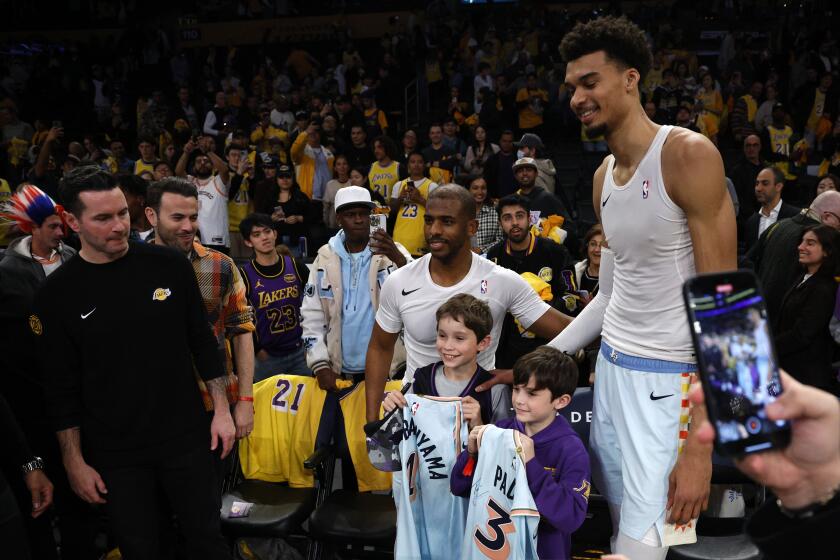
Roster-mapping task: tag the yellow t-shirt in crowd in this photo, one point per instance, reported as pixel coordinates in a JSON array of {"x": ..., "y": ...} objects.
[
  {"x": 382, "y": 178},
  {"x": 408, "y": 229}
]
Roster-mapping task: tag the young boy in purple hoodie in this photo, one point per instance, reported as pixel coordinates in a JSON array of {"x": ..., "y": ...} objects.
[{"x": 556, "y": 461}]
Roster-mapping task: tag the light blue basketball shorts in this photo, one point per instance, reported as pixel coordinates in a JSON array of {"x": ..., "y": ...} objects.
[{"x": 639, "y": 423}]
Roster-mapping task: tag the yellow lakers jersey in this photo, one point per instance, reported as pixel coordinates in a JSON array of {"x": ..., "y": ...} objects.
[
  {"x": 353, "y": 408},
  {"x": 409, "y": 226},
  {"x": 383, "y": 178},
  {"x": 287, "y": 412},
  {"x": 140, "y": 166},
  {"x": 780, "y": 145}
]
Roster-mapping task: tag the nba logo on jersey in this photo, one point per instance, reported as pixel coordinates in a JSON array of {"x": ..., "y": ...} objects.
[
  {"x": 484, "y": 286},
  {"x": 645, "y": 188}
]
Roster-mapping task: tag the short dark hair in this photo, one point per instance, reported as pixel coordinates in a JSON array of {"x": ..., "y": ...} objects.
[
  {"x": 550, "y": 368},
  {"x": 467, "y": 309},
  {"x": 452, "y": 191},
  {"x": 146, "y": 139},
  {"x": 82, "y": 179},
  {"x": 513, "y": 200},
  {"x": 133, "y": 184},
  {"x": 160, "y": 162},
  {"x": 778, "y": 175},
  {"x": 621, "y": 39},
  {"x": 172, "y": 185},
  {"x": 507, "y": 132},
  {"x": 255, "y": 219}
]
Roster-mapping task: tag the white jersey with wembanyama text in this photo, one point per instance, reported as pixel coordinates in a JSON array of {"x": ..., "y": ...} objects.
[{"x": 430, "y": 519}]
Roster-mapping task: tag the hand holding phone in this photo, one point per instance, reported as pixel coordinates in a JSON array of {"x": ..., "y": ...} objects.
[{"x": 736, "y": 360}]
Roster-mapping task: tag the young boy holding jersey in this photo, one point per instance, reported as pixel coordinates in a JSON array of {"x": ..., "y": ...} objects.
[
  {"x": 556, "y": 461},
  {"x": 463, "y": 330}
]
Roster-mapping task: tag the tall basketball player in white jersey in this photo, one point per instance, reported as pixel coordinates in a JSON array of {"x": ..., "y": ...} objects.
[{"x": 667, "y": 215}]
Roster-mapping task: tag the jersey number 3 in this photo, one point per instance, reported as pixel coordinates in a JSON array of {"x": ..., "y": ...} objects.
[
  {"x": 281, "y": 403},
  {"x": 492, "y": 540}
]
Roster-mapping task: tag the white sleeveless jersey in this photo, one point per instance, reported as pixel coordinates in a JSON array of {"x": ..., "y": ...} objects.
[
  {"x": 430, "y": 519},
  {"x": 502, "y": 520},
  {"x": 212, "y": 210},
  {"x": 648, "y": 233}
]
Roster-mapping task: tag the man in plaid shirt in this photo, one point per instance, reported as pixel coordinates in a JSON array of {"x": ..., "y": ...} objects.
[{"x": 172, "y": 209}]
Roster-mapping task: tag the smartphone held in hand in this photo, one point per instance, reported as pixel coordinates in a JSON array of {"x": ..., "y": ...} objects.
[{"x": 737, "y": 361}]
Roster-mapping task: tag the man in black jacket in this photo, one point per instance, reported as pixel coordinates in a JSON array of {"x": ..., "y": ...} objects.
[
  {"x": 18, "y": 457},
  {"x": 521, "y": 251},
  {"x": 768, "y": 193},
  {"x": 26, "y": 264},
  {"x": 498, "y": 170},
  {"x": 132, "y": 389},
  {"x": 743, "y": 176}
]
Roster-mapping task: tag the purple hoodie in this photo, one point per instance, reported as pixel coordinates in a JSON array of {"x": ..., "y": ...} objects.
[{"x": 558, "y": 477}]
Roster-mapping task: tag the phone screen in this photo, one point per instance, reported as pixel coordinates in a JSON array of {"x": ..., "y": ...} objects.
[{"x": 737, "y": 361}]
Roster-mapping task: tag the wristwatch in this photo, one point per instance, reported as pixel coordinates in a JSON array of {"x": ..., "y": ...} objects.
[{"x": 34, "y": 464}]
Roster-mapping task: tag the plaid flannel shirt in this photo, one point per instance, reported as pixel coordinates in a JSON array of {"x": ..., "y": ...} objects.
[
  {"x": 489, "y": 230},
  {"x": 223, "y": 292}
]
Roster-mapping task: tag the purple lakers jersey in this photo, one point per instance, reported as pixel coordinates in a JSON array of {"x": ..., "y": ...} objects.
[{"x": 276, "y": 301}]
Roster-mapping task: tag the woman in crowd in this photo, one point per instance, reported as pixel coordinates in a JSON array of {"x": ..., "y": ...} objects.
[
  {"x": 764, "y": 114},
  {"x": 586, "y": 271},
  {"x": 479, "y": 151},
  {"x": 803, "y": 342},
  {"x": 489, "y": 230},
  {"x": 341, "y": 179},
  {"x": 829, "y": 182},
  {"x": 709, "y": 102},
  {"x": 291, "y": 211},
  {"x": 586, "y": 279}
]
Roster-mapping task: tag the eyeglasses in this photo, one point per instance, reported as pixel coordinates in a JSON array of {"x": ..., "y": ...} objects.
[{"x": 836, "y": 217}]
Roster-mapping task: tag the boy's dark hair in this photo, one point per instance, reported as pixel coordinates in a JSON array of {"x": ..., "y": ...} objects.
[
  {"x": 513, "y": 200},
  {"x": 253, "y": 220},
  {"x": 146, "y": 139},
  {"x": 173, "y": 185},
  {"x": 550, "y": 368},
  {"x": 621, "y": 40},
  {"x": 133, "y": 184},
  {"x": 81, "y": 179},
  {"x": 474, "y": 313}
]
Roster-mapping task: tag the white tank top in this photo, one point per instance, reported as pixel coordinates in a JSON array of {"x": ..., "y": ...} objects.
[
  {"x": 212, "y": 211},
  {"x": 653, "y": 257}
]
